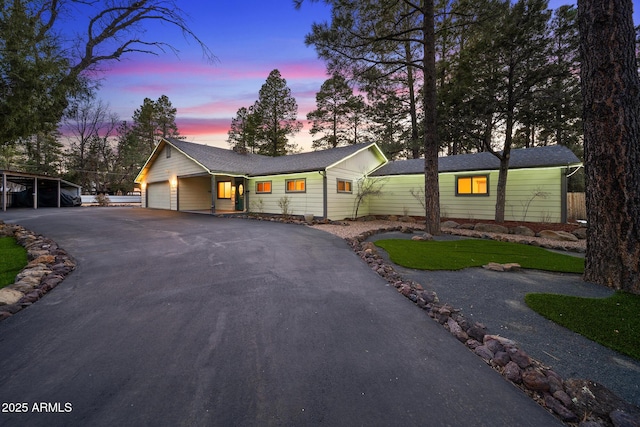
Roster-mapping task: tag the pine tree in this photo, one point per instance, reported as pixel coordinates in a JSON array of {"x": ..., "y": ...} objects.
[
  {"x": 276, "y": 111},
  {"x": 333, "y": 119},
  {"x": 242, "y": 134},
  {"x": 611, "y": 114}
]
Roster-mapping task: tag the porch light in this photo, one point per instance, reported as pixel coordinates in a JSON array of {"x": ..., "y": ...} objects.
[{"x": 174, "y": 182}]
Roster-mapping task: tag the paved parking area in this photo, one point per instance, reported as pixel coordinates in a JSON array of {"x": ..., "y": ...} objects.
[{"x": 185, "y": 319}]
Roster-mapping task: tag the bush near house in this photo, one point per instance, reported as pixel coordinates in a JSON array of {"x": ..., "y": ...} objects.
[{"x": 13, "y": 258}]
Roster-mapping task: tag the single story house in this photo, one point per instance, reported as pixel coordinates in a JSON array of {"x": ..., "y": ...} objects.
[{"x": 186, "y": 176}]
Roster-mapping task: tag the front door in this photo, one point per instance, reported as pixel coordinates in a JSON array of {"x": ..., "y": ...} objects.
[{"x": 239, "y": 196}]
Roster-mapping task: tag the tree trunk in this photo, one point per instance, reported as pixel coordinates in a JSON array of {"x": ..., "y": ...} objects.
[
  {"x": 501, "y": 189},
  {"x": 611, "y": 113},
  {"x": 431, "y": 145}
]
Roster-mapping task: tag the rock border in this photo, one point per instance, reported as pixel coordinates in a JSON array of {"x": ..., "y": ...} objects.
[
  {"x": 48, "y": 266},
  {"x": 573, "y": 401}
]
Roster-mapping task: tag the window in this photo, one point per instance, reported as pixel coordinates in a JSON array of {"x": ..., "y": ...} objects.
[
  {"x": 263, "y": 187},
  {"x": 472, "y": 185},
  {"x": 344, "y": 186},
  {"x": 167, "y": 151},
  {"x": 296, "y": 185},
  {"x": 224, "y": 190}
]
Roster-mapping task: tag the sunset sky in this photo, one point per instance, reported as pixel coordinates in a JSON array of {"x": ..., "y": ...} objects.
[{"x": 250, "y": 39}]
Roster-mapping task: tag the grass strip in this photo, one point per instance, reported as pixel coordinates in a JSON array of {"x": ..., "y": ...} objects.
[
  {"x": 13, "y": 258},
  {"x": 459, "y": 254},
  {"x": 613, "y": 322}
]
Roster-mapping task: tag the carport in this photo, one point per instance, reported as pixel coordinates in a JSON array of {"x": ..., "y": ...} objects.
[{"x": 20, "y": 189}]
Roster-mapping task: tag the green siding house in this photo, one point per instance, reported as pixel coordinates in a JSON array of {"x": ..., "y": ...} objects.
[{"x": 185, "y": 176}]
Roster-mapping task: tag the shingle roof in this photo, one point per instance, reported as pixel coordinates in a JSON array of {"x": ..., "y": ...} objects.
[
  {"x": 552, "y": 155},
  {"x": 220, "y": 160}
]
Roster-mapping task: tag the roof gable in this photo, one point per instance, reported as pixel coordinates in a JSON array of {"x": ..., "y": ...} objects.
[
  {"x": 224, "y": 161},
  {"x": 552, "y": 155}
]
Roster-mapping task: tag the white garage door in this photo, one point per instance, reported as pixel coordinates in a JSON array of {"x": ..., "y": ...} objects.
[{"x": 159, "y": 195}]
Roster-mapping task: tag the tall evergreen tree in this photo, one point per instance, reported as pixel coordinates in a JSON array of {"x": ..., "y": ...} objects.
[
  {"x": 154, "y": 120},
  {"x": 242, "y": 134},
  {"x": 276, "y": 111},
  {"x": 611, "y": 114},
  {"x": 333, "y": 118},
  {"x": 32, "y": 64},
  {"x": 503, "y": 66},
  {"x": 398, "y": 35}
]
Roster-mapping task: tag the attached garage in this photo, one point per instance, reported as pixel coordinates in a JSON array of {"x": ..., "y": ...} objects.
[
  {"x": 159, "y": 195},
  {"x": 194, "y": 193}
]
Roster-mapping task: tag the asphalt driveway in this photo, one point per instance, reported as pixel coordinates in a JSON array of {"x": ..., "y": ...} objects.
[{"x": 184, "y": 319}]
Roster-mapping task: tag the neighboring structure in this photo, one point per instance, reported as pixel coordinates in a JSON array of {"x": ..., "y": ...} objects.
[
  {"x": 184, "y": 176},
  {"x": 20, "y": 189}
]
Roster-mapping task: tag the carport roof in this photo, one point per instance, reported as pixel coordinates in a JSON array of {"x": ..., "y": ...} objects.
[
  {"x": 552, "y": 155},
  {"x": 220, "y": 160}
]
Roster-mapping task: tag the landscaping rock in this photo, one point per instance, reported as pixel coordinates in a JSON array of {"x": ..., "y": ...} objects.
[
  {"x": 557, "y": 407},
  {"x": 449, "y": 224},
  {"x": 9, "y": 296},
  {"x": 423, "y": 237},
  {"x": 494, "y": 266},
  {"x": 477, "y": 331},
  {"x": 535, "y": 380},
  {"x": 522, "y": 230},
  {"x": 512, "y": 372},
  {"x": 491, "y": 228},
  {"x": 580, "y": 233},
  {"x": 557, "y": 235},
  {"x": 483, "y": 352},
  {"x": 520, "y": 357}
]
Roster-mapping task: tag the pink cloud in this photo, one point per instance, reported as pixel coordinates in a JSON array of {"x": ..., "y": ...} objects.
[{"x": 194, "y": 127}]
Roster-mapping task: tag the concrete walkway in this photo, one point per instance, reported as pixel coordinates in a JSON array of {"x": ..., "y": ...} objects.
[{"x": 184, "y": 319}]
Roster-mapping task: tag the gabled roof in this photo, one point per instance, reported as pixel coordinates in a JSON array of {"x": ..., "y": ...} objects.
[
  {"x": 218, "y": 160},
  {"x": 223, "y": 161},
  {"x": 552, "y": 155}
]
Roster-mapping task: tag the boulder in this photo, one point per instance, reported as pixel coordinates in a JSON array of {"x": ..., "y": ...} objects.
[
  {"x": 449, "y": 224},
  {"x": 580, "y": 233},
  {"x": 512, "y": 372},
  {"x": 557, "y": 235},
  {"x": 521, "y": 230},
  {"x": 423, "y": 237},
  {"x": 491, "y": 228},
  {"x": 9, "y": 296},
  {"x": 535, "y": 380}
]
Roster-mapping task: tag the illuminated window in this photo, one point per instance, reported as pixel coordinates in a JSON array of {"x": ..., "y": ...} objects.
[
  {"x": 224, "y": 190},
  {"x": 344, "y": 186},
  {"x": 263, "y": 187},
  {"x": 472, "y": 185},
  {"x": 296, "y": 185}
]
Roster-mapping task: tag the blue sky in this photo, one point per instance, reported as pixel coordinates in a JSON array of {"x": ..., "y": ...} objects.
[{"x": 249, "y": 39}]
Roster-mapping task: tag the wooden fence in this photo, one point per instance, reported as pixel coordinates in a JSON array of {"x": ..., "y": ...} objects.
[{"x": 576, "y": 207}]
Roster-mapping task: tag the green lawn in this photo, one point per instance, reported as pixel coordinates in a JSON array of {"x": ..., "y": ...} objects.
[
  {"x": 13, "y": 258},
  {"x": 459, "y": 254},
  {"x": 613, "y": 322}
]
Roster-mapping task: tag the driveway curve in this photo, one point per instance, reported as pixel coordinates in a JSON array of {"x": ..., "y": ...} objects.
[{"x": 185, "y": 319}]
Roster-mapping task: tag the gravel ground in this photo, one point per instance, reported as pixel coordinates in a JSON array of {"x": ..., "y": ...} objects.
[{"x": 497, "y": 300}]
